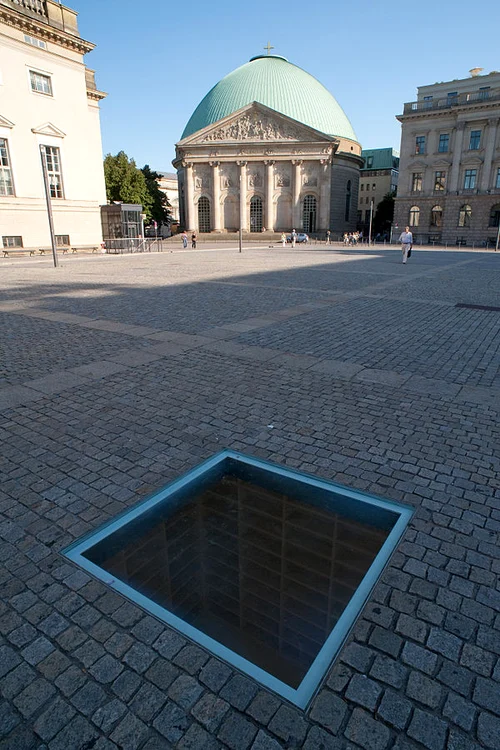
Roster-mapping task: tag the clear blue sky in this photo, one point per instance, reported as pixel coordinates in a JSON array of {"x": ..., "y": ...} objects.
[{"x": 158, "y": 59}]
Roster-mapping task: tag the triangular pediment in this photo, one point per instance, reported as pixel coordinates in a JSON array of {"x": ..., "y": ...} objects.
[
  {"x": 442, "y": 163},
  {"x": 49, "y": 129},
  {"x": 4, "y": 123},
  {"x": 256, "y": 123}
]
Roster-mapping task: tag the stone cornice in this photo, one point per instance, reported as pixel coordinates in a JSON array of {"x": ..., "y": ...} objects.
[
  {"x": 96, "y": 95},
  {"x": 44, "y": 31}
]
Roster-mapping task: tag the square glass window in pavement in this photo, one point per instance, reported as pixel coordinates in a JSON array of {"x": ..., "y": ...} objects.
[{"x": 265, "y": 567}]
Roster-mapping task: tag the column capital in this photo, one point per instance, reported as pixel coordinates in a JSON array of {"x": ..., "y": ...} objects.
[
  {"x": 187, "y": 163},
  {"x": 241, "y": 163},
  {"x": 493, "y": 121},
  {"x": 297, "y": 162},
  {"x": 214, "y": 163},
  {"x": 269, "y": 162},
  {"x": 460, "y": 125}
]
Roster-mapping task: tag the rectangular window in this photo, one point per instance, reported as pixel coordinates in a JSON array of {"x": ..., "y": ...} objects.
[
  {"x": 12, "y": 241},
  {"x": 470, "y": 179},
  {"x": 439, "y": 181},
  {"x": 35, "y": 42},
  {"x": 452, "y": 97},
  {"x": 6, "y": 182},
  {"x": 497, "y": 184},
  {"x": 475, "y": 140},
  {"x": 62, "y": 240},
  {"x": 40, "y": 83},
  {"x": 420, "y": 144},
  {"x": 444, "y": 143},
  {"x": 484, "y": 92},
  {"x": 427, "y": 102},
  {"x": 416, "y": 182},
  {"x": 53, "y": 162},
  {"x": 362, "y": 187},
  {"x": 369, "y": 162}
]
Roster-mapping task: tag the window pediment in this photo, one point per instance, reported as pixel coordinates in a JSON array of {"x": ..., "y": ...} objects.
[
  {"x": 5, "y": 123},
  {"x": 48, "y": 129}
]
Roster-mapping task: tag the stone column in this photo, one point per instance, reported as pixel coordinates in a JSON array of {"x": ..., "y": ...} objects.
[
  {"x": 325, "y": 192},
  {"x": 297, "y": 224},
  {"x": 457, "y": 157},
  {"x": 243, "y": 195},
  {"x": 491, "y": 136},
  {"x": 216, "y": 195},
  {"x": 269, "y": 196},
  {"x": 189, "y": 182}
]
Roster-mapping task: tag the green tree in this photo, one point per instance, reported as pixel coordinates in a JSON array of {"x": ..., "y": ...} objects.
[
  {"x": 125, "y": 182},
  {"x": 384, "y": 214},
  {"x": 160, "y": 208}
]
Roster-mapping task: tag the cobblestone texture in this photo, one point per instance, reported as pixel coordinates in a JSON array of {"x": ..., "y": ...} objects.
[{"x": 81, "y": 667}]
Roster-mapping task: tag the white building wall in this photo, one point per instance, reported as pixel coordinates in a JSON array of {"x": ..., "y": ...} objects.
[{"x": 69, "y": 111}]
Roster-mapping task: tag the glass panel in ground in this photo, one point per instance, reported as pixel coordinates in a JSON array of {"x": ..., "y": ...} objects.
[{"x": 263, "y": 574}]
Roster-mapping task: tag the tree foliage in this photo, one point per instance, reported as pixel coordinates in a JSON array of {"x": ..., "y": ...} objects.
[
  {"x": 384, "y": 214},
  {"x": 125, "y": 182},
  {"x": 160, "y": 208}
]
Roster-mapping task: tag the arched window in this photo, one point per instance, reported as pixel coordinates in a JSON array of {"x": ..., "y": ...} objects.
[
  {"x": 414, "y": 216},
  {"x": 256, "y": 214},
  {"x": 309, "y": 214},
  {"x": 436, "y": 216},
  {"x": 204, "y": 214},
  {"x": 495, "y": 215},
  {"x": 464, "y": 216},
  {"x": 347, "y": 200}
]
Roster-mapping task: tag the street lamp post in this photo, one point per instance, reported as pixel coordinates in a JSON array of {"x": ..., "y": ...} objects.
[
  {"x": 49, "y": 205},
  {"x": 498, "y": 235},
  {"x": 371, "y": 222}
]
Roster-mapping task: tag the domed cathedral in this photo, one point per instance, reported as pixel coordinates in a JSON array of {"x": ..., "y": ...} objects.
[{"x": 268, "y": 149}]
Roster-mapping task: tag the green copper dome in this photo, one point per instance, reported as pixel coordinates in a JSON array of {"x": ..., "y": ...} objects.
[{"x": 278, "y": 84}]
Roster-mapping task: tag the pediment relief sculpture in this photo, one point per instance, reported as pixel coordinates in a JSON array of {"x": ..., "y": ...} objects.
[{"x": 253, "y": 126}]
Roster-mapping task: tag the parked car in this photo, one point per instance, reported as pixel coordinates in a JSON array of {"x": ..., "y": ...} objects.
[{"x": 301, "y": 237}]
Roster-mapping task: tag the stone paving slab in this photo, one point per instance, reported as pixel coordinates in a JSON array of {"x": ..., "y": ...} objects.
[{"x": 82, "y": 667}]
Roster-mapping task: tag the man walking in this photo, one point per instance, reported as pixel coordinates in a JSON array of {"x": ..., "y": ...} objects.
[
  {"x": 327, "y": 236},
  {"x": 406, "y": 239},
  {"x": 293, "y": 237}
]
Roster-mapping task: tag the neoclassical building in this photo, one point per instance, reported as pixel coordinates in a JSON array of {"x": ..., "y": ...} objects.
[
  {"x": 449, "y": 178},
  {"x": 268, "y": 149},
  {"x": 49, "y": 105}
]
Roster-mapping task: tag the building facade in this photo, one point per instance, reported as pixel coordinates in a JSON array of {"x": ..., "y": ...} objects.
[
  {"x": 49, "y": 106},
  {"x": 449, "y": 181},
  {"x": 268, "y": 149},
  {"x": 378, "y": 177},
  {"x": 169, "y": 185}
]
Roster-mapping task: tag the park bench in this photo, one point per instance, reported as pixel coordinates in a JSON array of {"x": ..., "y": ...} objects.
[
  {"x": 10, "y": 250},
  {"x": 93, "y": 248}
]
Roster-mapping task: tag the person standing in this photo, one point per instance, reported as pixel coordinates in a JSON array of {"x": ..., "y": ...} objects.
[
  {"x": 184, "y": 239},
  {"x": 406, "y": 239},
  {"x": 283, "y": 239},
  {"x": 327, "y": 236},
  {"x": 293, "y": 237},
  {"x": 193, "y": 240}
]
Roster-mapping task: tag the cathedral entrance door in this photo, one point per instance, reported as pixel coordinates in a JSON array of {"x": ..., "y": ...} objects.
[
  {"x": 256, "y": 214},
  {"x": 309, "y": 214},
  {"x": 204, "y": 214}
]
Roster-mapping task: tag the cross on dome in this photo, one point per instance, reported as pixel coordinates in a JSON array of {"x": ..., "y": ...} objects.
[{"x": 269, "y": 48}]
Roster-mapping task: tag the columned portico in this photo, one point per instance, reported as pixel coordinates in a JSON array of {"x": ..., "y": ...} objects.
[
  {"x": 270, "y": 218},
  {"x": 191, "y": 226},
  {"x": 243, "y": 196},
  {"x": 297, "y": 163},
  {"x": 325, "y": 190},
  {"x": 216, "y": 196}
]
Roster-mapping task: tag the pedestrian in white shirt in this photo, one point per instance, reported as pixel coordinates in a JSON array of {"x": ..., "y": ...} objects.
[{"x": 406, "y": 239}]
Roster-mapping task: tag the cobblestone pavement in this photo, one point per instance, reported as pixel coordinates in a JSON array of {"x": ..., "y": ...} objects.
[{"x": 119, "y": 373}]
